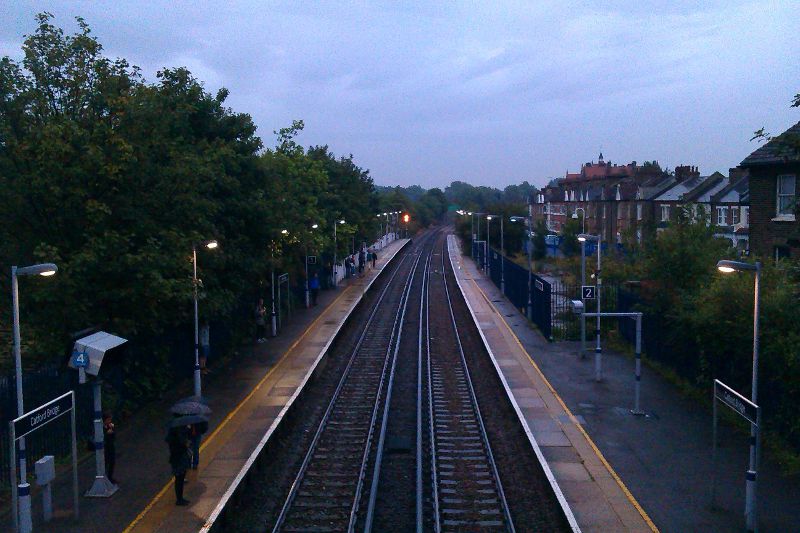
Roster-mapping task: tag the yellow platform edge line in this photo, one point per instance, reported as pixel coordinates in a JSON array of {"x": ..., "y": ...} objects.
[
  {"x": 574, "y": 420},
  {"x": 235, "y": 410}
]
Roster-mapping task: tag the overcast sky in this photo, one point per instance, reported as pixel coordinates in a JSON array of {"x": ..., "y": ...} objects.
[{"x": 485, "y": 92}]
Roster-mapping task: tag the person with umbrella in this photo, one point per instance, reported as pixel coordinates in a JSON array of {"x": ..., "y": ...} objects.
[
  {"x": 196, "y": 408},
  {"x": 179, "y": 456}
]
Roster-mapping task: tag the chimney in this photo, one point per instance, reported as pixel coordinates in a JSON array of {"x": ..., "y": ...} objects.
[{"x": 684, "y": 172}]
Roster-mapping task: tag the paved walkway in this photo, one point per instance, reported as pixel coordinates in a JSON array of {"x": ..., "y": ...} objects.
[
  {"x": 248, "y": 399},
  {"x": 664, "y": 458}
]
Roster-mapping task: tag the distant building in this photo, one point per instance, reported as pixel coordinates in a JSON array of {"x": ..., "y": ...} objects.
[{"x": 774, "y": 168}]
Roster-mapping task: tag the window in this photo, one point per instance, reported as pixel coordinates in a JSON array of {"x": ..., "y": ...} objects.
[
  {"x": 745, "y": 216},
  {"x": 734, "y": 216},
  {"x": 722, "y": 215},
  {"x": 639, "y": 211},
  {"x": 664, "y": 213},
  {"x": 786, "y": 197}
]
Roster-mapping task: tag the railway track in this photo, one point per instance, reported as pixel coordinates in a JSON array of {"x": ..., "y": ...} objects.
[
  {"x": 466, "y": 489},
  {"x": 326, "y": 494},
  {"x": 402, "y": 445}
]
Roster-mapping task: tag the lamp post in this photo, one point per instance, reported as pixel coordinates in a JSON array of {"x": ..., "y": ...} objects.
[
  {"x": 335, "y": 223},
  {"x": 598, "y": 351},
  {"x": 479, "y": 214},
  {"x": 274, "y": 315},
  {"x": 308, "y": 291},
  {"x": 23, "y": 489},
  {"x": 212, "y": 244},
  {"x": 583, "y": 218},
  {"x": 502, "y": 250},
  {"x": 750, "y": 510},
  {"x": 530, "y": 266}
]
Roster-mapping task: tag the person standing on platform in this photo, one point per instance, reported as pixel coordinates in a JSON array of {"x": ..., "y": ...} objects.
[
  {"x": 374, "y": 257},
  {"x": 261, "y": 322},
  {"x": 314, "y": 286},
  {"x": 179, "y": 459},
  {"x": 109, "y": 446},
  {"x": 205, "y": 346},
  {"x": 195, "y": 436},
  {"x": 361, "y": 261}
]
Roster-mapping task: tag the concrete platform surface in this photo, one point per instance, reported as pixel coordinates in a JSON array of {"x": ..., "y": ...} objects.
[{"x": 595, "y": 494}]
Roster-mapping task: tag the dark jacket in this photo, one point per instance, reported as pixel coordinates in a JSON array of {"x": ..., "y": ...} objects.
[{"x": 179, "y": 454}]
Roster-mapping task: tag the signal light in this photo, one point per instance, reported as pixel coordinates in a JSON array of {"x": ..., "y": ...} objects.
[{"x": 406, "y": 218}]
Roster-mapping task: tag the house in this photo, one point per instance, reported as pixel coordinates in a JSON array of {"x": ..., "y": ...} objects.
[
  {"x": 606, "y": 197},
  {"x": 774, "y": 169},
  {"x": 730, "y": 212}
]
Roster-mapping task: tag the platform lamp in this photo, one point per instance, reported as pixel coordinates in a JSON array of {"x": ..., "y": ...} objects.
[
  {"x": 725, "y": 266},
  {"x": 502, "y": 250},
  {"x": 308, "y": 292},
  {"x": 210, "y": 245},
  {"x": 23, "y": 489},
  {"x": 335, "y": 223},
  {"x": 530, "y": 266},
  {"x": 598, "y": 351}
]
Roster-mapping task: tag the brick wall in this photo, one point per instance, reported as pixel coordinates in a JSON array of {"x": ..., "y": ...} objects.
[{"x": 765, "y": 233}]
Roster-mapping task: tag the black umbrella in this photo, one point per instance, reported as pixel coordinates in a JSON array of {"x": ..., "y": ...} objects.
[
  {"x": 187, "y": 420},
  {"x": 190, "y": 406}
]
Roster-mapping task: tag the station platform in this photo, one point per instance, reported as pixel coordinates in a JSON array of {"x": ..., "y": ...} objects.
[
  {"x": 237, "y": 440},
  {"x": 595, "y": 494}
]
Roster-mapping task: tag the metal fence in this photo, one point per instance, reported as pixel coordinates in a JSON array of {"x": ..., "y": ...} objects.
[
  {"x": 53, "y": 439},
  {"x": 551, "y": 300}
]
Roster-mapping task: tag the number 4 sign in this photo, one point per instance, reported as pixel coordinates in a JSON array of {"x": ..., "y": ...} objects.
[
  {"x": 588, "y": 292},
  {"x": 80, "y": 359}
]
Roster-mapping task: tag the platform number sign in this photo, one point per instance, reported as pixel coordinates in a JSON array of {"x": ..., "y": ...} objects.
[
  {"x": 312, "y": 259},
  {"x": 80, "y": 359},
  {"x": 588, "y": 292}
]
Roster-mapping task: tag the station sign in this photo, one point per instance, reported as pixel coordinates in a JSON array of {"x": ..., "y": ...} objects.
[
  {"x": 588, "y": 292},
  {"x": 283, "y": 278},
  {"x": 312, "y": 259},
  {"x": 736, "y": 401},
  {"x": 40, "y": 416}
]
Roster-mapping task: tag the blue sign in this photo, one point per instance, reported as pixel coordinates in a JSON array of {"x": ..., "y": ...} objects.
[{"x": 80, "y": 359}]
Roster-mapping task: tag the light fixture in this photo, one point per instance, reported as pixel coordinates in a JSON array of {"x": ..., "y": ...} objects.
[
  {"x": 728, "y": 266},
  {"x": 212, "y": 244},
  {"x": 43, "y": 269},
  {"x": 284, "y": 232},
  {"x": 314, "y": 226}
]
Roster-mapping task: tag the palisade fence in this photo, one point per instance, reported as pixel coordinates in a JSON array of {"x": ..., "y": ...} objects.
[
  {"x": 551, "y": 300},
  {"x": 54, "y": 438}
]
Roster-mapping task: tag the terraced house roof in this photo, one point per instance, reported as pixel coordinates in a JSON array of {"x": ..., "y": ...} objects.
[{"x": 784, "y": 148}]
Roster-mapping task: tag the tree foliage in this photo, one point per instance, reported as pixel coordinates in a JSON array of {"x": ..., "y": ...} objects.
[{"x": 114, "y": 179}]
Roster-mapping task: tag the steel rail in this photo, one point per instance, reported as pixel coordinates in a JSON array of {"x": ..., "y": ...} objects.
[
  {"x": 473, "y": 399},
  {"x": 387, "y": 402},
  {"x": 326, "y": 417}
]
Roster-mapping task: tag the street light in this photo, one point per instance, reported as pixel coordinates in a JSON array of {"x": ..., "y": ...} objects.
[
  {"x": 502, "y": 251},
  {"x": 727, "y": 267},
  {"x": 23, "y": 489},
  {"x": 472, "y": 214},
  {"x": 583, "y": 218},
  {"x": 335, "y": 223},
  {"x": 530, "y": 266},
  {"x": 212, "y": 244},
  {"x": 274, "y": 315},
  {"x": 598, "y": 351},
  {"x": 308, "y": 292}
]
